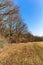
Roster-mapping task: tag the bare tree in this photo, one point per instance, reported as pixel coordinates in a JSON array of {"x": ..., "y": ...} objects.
[{"x": 9, "y": 17}]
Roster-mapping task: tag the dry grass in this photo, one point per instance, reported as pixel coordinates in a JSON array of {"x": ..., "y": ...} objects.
[{"x": 22, "y": 54}]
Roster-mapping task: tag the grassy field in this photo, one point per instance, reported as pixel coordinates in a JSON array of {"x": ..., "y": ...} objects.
[{"x": 22, "y": 54}]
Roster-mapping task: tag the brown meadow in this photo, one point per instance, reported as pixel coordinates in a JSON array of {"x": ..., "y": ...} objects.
[{"x": 22, "y": 54}]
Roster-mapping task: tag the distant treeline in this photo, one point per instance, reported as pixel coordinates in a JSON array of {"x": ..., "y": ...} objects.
[
  {"x": 28, "y": 37},
  {"x": 23, "y": 38},
  {"x": 31, "y": 38}
]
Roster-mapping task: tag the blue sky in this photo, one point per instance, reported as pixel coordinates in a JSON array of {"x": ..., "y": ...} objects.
[{"x": 31, "y": 12}]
